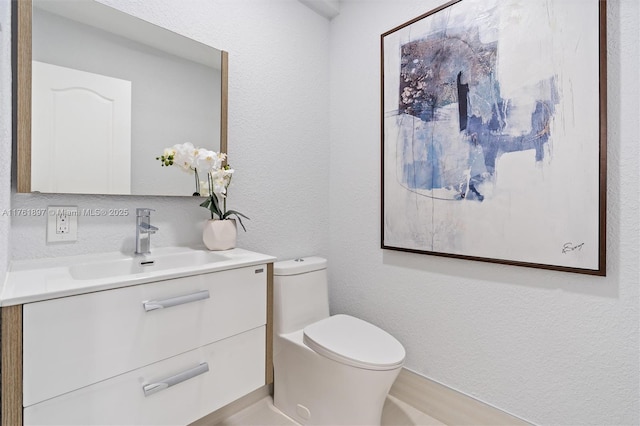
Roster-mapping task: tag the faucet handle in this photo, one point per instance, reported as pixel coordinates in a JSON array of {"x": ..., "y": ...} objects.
[
  {"x": 149, "y": 229},
  {"x": 144, "y": 211}
]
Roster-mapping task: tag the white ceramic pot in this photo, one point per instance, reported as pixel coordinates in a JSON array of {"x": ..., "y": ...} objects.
[{"x": 220, "y": 234}]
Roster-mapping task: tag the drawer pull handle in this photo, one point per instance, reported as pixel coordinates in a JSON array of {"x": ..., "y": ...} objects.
[
  {"x": 163, "y": 384},
  {"x": 152, "y": 305}
]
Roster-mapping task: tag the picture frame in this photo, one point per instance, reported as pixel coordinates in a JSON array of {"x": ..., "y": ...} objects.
[{"x": 493, "y": 133}]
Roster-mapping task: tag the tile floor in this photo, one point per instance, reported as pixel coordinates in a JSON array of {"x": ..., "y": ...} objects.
[{"x": 263, "y": 413}]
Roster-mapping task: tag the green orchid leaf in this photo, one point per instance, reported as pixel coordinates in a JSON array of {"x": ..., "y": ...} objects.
[
  {"x": 215, "y": 207},
  {"x": 241, "y": 224},
  {"x": 238, "y": 216},
  {"x": 237, "y": 213}
]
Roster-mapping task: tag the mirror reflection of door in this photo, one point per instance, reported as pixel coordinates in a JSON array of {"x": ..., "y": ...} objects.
[{"x": 81, "y": 130}]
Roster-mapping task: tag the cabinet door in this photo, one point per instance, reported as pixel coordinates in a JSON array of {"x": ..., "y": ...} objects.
[
  {"x": 76, "y": 341},
  {"x": 235, "y": 368}
]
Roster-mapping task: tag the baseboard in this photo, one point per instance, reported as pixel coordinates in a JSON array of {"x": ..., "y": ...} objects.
[
  {"x": 434, "y": 399},
  {"x": 236, "y": 406},
  {"x": 447, "y": 405}
]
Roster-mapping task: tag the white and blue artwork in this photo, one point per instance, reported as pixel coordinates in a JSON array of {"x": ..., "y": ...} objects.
[{"x": 491, "y": 133}]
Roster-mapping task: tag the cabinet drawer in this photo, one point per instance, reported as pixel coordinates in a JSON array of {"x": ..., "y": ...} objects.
[
  {"x": 236, "y": 367},
  {"x": 76, "y": 341}
]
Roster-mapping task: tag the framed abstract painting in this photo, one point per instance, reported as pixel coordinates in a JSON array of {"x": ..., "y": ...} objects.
[{"x": 494, "y": 133}]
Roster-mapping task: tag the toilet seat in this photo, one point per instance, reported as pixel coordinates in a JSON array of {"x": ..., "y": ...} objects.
[{"x": 352, "y": 341}]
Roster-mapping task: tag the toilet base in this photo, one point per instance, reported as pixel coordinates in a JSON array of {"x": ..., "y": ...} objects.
[{"x": 315, "y": 390}]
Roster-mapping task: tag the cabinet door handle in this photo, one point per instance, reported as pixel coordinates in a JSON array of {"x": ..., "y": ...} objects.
[
  {"x": 163, "y": 384},
  {"x": 152, "y": 305}
]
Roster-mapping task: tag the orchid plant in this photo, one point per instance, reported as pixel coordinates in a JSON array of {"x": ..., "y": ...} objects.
[{"x": 202, "y": 162}]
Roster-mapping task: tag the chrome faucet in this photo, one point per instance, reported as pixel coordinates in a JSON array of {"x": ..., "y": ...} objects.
[{"x": 144, "y": 229}]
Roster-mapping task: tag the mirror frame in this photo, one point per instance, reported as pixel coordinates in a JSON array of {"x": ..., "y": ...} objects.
[{"x": 21, "y": 58}]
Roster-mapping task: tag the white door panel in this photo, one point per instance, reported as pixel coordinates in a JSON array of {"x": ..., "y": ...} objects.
[{"x": 81, "y": 128}]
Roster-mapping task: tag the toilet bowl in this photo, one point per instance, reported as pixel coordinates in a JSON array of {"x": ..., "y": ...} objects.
[{"x": 328, "y": 370}]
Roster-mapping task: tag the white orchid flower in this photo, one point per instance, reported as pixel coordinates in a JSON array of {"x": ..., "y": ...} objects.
[
  {"x": 220, "y": 179},
  {"x": 206, "y": 161},
  {"x": 185, "y": 156},
  {"x": 209, "y": 164}
]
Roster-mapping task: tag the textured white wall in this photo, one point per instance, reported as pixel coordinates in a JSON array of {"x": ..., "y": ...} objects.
[
  {"x": 550, "y": 347},
  {"x": 278, "y": 132}
]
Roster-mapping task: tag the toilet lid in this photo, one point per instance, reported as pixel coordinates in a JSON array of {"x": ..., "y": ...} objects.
[{"x": 354, "y": 342}]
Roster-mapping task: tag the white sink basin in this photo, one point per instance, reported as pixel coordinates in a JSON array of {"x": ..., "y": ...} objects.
[
  {"x": 143, "y": 264},
  {"x": 34, "y": 280}
]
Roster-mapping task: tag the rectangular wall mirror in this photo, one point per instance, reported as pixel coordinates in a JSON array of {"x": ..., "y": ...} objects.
[{"x": 101, "y": 93}]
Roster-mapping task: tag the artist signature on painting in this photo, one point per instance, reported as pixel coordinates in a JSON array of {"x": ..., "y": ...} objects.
[{"x": 570, "y": 247}]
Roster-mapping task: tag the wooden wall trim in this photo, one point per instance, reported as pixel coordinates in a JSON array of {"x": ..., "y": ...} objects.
[
  {"x": 269, "y": 343},
  {"x": 11, "y": 366},
  {"x": 224, "y": 104},
  {"x": 22, "y": 103}
]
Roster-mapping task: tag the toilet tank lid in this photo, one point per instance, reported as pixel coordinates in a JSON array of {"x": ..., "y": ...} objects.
[{"x": 299, "y": 265}]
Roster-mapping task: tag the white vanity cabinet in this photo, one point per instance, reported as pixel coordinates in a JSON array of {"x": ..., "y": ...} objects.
[{"x": 165, "y": 352}]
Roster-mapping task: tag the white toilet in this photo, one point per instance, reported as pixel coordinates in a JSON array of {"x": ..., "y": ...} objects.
[{"x": 328, "y": 370}]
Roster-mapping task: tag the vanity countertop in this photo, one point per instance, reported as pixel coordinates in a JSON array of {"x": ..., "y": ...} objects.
[{"x": 42, "y": 279}]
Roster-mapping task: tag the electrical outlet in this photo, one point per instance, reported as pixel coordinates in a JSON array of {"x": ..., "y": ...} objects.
[{"x": 62, "y": 224}]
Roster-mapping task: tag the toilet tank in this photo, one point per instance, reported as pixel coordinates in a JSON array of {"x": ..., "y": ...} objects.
[{"x": 300, "y": 295}]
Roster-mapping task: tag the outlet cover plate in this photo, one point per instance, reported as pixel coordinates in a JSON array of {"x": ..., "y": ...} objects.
[{"x": 62, "y": 224}]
